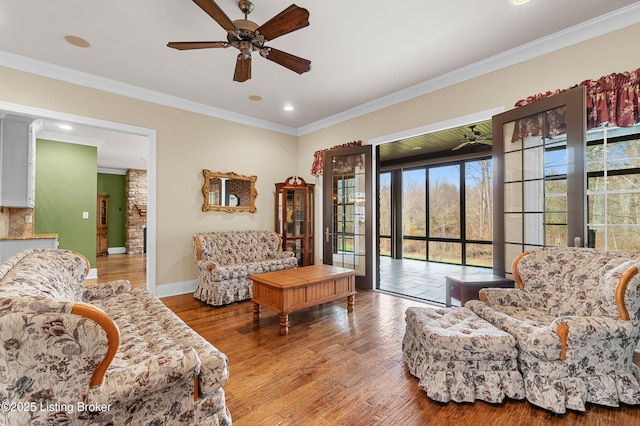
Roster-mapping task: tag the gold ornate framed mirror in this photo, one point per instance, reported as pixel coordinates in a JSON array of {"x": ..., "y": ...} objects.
[{"x": 229, "y": 192}]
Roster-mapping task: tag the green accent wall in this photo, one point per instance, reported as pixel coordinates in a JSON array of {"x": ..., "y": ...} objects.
[
  {"x": 66, "y": 184},
  {"x": 115, "y": 187}
]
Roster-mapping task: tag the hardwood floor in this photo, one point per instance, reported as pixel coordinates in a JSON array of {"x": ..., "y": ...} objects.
[
  {"x": 335, "y": 368},
  {"x": 113, "y": 267}
]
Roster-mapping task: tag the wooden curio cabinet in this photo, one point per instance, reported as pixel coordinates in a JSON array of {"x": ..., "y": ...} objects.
[
  {"x": 294, "y": 218},
  {"x": 102, "y": 225}
]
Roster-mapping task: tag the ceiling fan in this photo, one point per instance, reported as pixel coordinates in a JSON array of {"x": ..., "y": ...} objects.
[
  {"x": 476, "y": 137},
  {"x": 247, "y": 36}
]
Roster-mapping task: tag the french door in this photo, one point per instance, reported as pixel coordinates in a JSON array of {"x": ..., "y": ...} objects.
[
  {"x": 540, "y": 185},
  {"x": 347, "y": 212}
]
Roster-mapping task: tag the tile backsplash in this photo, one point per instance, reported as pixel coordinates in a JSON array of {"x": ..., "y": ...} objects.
[{"x": 13, "y": 222}]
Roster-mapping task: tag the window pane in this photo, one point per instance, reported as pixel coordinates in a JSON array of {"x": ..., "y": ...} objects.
[
  {"x": 556, "y": 203},
  {"x": 479, "y": 201},
  {"x": 556, "y": 235},
  {"x": 595, "y": 208},
  {"x": 385, "y": 246},
  {"x": 623, "y": 208},
  {"x": 445, "y": 252},
  {"x": 414, "y": 203},
  {"x": 479, "y": 254},
  {"x": 624, "y": 238},
  {"x": 444, "y": 202},
  {"x": 623, "y": 181},
  {"x": 385, "y": 204},
  {"x": 414, "y": 249}
]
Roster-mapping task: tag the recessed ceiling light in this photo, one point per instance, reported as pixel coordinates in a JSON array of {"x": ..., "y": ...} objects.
[
  {"x": 76, "y": 41},
  {"x": 519, "y": 2},
  {"x": 64, "y": 126},
  {"x": 255, "y": 98},
  {"x": 288, "y": 108},
  {"x": 416, "y": 148}
]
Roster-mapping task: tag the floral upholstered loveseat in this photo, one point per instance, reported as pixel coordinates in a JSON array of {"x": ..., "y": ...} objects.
[
  {"x": 576, "y": 320},
  {"x": 100, "y": 355},
  {"x": 224, "y": 261}
]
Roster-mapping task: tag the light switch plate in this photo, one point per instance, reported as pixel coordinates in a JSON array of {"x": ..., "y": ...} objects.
[{"x": 85, "y": 215}]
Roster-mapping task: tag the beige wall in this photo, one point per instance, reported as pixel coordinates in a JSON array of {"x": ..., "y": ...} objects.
[
  {"x": 186, "y": 144},
  {"x": 189, "y": 142},
  {"x": 559, "y": 70}
]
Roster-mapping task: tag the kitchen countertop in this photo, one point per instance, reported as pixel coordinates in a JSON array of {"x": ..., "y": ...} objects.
[{"x": 29, "y": 237}]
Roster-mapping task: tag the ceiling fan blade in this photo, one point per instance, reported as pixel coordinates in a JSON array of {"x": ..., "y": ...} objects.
[
  {"x": 187, "y": 45},
  {"x": 287, "y": 60},
  {"x": 460, "y": 146},
  {"x": 243, "y": 69},
  {"x": 216, "y": 13},
  {"x": 291, "y": 19}
]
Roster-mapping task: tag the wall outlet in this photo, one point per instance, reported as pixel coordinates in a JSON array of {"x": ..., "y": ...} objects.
[
  {"x": 85, "y": 215},
  {"x": 28, "y": 219}
]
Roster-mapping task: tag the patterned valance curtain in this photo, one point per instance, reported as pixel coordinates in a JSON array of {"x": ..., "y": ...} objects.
[
  {"x": 316, "y": 167},
  {"x": 612, "y": 99}
]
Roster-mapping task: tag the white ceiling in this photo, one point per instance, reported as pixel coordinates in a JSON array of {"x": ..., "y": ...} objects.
[{"x": 365, "y": 54}]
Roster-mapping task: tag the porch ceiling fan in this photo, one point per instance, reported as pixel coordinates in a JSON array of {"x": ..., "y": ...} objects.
[
  {"x": 247, "y": 36},
  {"x": 476, "y": 137}
]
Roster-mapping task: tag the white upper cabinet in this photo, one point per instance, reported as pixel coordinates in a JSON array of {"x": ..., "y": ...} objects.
[{"x": 17, "y": 162}]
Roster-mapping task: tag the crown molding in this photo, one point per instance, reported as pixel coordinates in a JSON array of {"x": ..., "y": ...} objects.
[
  {"x": 597, "y": 27},
  {"x": 605, "y": 24},
  {"x": 57, "y": 72}
]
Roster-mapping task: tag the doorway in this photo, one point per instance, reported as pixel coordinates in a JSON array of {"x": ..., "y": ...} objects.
[
  {"x": 435, "y": 206},
  {"x": 148, "y": 134}
]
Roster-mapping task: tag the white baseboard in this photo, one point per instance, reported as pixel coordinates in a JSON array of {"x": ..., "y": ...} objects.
[
  {"x": 174, "y": 289},
  {"x": 117, "y": 250},
  {"x": 93, "y": 273}
]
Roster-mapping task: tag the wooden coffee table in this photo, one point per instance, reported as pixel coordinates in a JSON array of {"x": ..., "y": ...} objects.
[{"x": 291, "y": 290}]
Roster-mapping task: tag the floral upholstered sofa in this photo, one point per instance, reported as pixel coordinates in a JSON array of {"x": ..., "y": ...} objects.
[
  {"x": 224, "y": 261},
  {"x": 101, "y": 355},
  {"x": 576, "y": 320}
]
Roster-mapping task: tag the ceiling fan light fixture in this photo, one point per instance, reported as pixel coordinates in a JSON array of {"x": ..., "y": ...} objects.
[
  {"x": 247, "y": 36},
  {"x": 246, "y": 48}
]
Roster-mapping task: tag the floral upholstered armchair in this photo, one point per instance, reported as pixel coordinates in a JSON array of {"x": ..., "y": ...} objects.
[{"x": 576, "y": 319}]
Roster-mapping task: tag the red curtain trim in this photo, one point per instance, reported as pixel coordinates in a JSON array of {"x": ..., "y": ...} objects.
[
  {"x": 613, "y": 99},
  {"x": 316, "y": 167}
]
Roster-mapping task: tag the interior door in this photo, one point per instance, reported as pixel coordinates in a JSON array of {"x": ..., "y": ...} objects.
[
  {"x": 347, "y": 211},
  {"x": 540, "y": 181}
]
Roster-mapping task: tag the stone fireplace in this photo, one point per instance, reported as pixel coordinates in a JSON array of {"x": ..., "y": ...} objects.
[{"x": 136, "y": 187}]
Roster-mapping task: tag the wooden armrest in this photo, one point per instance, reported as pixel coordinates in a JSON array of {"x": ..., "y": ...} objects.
[
  {"x": 514, "y": 269},
  {"x": 563, "y": 332},
  {"x": 621, "y": 289},
  {"x": 113, "y": 338},
  {"x": 198, "y": 249}
]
